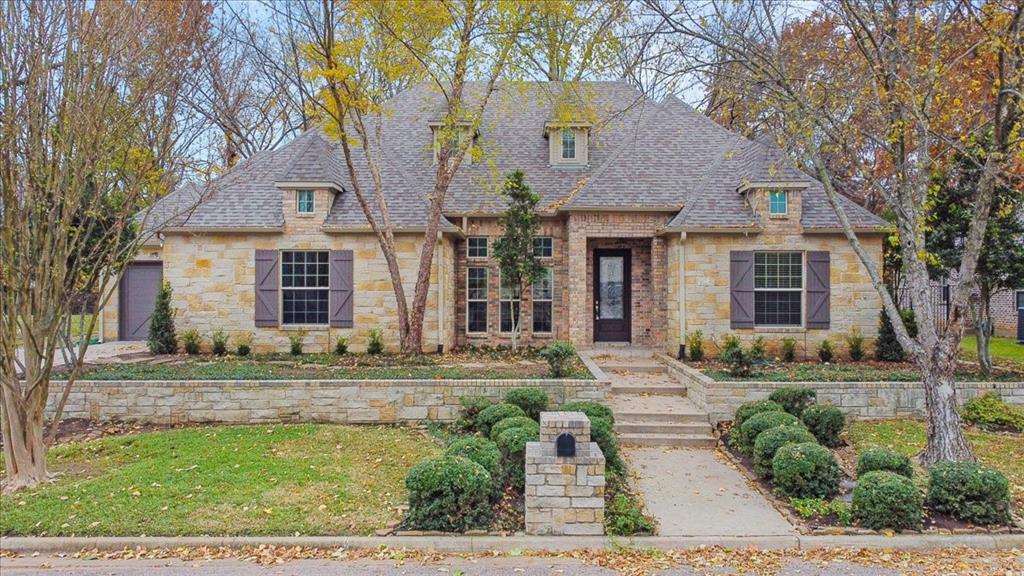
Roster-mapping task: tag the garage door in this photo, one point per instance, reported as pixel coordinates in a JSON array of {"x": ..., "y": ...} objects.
[{"x": 138, "y": 289}]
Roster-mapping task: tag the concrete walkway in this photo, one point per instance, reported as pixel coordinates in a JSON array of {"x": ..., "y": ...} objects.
[
  {"x": 694, "y": 493},
  {"x": 101, "y": 353}
]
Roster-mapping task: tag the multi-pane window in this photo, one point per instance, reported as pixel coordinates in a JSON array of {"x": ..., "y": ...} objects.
[
  {"x": 508, "y": 305},
  {"x": 778, "y": 203},
  {"x": 305, "y": 287},
  {"x": 543, "y": 295},
  {"x": 476, "y": 300},
  {"x": 304, "y": 201},
  {"x": 476, "y": 247},
  {"x": 1020, "y": 299},
  {"x": 778, "y": 288},
  {"x": 568, "y": 144},
  {"x": 543, "y": 247}
]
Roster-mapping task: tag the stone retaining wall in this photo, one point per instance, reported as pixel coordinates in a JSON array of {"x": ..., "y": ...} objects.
[
  {"x": 857, "y": 399},
  {"x": 273, "y": 401}
]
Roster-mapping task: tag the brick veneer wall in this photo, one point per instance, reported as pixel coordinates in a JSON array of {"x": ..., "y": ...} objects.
[
  {"x": 1004, "y": 313},
  {"x": 334, "y": 401}
]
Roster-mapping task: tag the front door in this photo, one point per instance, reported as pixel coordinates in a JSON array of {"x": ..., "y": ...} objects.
[
  {"x": 138, "y": 289},
  {"x": 612, "y": 296}
]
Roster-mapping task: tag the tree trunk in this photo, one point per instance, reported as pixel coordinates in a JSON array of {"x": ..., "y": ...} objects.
[
  {"x": 983, "y": 331},
  {"x": 946, "y": 441},
  {"x": 23, "y": 435}
]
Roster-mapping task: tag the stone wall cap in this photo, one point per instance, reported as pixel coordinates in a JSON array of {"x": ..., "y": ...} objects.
[{"x": 563, "y": 419}]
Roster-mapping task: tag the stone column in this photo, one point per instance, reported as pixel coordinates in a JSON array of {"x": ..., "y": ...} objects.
[{"x": 564, "y": 494}]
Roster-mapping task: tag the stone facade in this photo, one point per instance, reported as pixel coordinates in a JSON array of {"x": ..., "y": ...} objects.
[
  {"x": 564, "y": 494},
  {"x": 267, "y": 402}
]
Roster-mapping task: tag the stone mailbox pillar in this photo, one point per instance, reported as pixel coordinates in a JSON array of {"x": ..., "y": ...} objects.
[{"x": 564, "y": 493}]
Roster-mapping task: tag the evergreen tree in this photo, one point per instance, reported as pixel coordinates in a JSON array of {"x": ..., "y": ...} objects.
[
  {"x": 162, "y": 339},
  {"x": 514, "y": 250},
  {"x": 887, "y": 347}
]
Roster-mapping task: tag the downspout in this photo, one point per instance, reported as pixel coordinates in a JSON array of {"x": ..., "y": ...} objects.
[
  {"x": 441, "y": 316},
  {"x": 682, "y": 295}
]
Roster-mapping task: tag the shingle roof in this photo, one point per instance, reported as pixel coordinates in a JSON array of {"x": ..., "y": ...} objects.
[{"x": 642, "y": 155}]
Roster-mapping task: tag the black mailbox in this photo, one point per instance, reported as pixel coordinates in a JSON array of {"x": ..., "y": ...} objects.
[{"x": 565, "y": 445}]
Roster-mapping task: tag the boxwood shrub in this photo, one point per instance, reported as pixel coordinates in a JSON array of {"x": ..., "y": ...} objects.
[
  {"x": 794, "y": 399},
  {"x": 471, "y": 408},
  {"x": 748, "y": 409},
  {"x": 969, "y": 492},
  {"x": 603, "y": 433},
  {"x": 512, "y": 444},
  {"x": 493, "y": 414},
  {"x": 480, "y": 450},
  {"x": 805, "y": 470},
  {"x": 991, "y": 412},
  {"x": 513, "y": 422},
  {"x": 883, "y": 499},
  {"x": 769, "y": 442},
  {"x": 760, "y": 422},
  {"x": 873, "y": 459},
  {"x": 591, "y": 409},
  {"x": 531, "y": 399},
  {"x": 826, "y": 422},
  {"x": 448, "y": 493}
]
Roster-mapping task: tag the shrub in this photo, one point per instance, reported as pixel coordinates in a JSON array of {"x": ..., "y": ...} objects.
[
  {"x": 805, "y": 470},
  {"x": 243, "y": 344},
  {"x": 855, "y": 344},
  {"x": 449, "y": 493},
  {"x": 826, "y": 422},
  {"x": 887, "y": 348},
  {"x": 532, "y": 400},
  {"x": 162, "y": 339},
  {"x": 219, "y": 342},
  {"x": 695, "y": 342},
  {"x": 794, "y": 400},
  {"x": 819, "y": 507},
  {"x": 789, "y": 349},
  {"x": 769, "y": 442},
  {"x": 735, "y": 357},
  {"x": 883, "y": 499},
  {"x": 375, "y": 343},
  {"x": 874, "y": 459},
  {"x": 591, "y": 409},
  {"x": 825, "y": 352},
  {"x": 513, "y": 422},
  {"x": 760, "y": 422},
  {"x": 969, "y": 492},
  {"x": 493, "y": 414},
  {"x": 341, "y": 346},
  {"x": 748, "y": 409},
  {"x": 480, "y": 450},
  {"x": 295, "y": 343},
  {"x": 512, "y": 444},
  {"x": 190, "y": 340},
  {"x": 624, "y": 516},
  {"x": 991, "y": 412},
  {"x": 758, "y": 350},
  {"x": 602, "y": 432},
  {"x": 560, "y": 357},
  {"x": 471, "y": 408}
]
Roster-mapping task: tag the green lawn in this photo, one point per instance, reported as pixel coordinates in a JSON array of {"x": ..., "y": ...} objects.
[
  {"x": 282, "y": 480},
  {"x": 1002, "y": 349},
  {"x": 844, "y": 372},
  {"x": 1003, "y": 451}
]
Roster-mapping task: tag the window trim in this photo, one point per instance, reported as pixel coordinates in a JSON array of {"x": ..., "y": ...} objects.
[
  {"x": 295, "y": 325},
  {"x": 502, "y": 300},
  {"x": 301, "y": 212},
  {"x": 534, "y": 300},
  {"x": 785, "y": 200},
  {"x": 802, "y": 290},
  {"x": 551, "y": 245},
  {"x": 487, "y": 247},
  {"x": 1018, "y": 300},
  {"x": 485, "y": 300}
]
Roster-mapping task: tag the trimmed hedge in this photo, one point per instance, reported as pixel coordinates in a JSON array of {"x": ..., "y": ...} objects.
[
  {"x": 493, "y": 414},
  {"x": 513, "y": 422},
  {"x": 512, "y": 444},
  {"x": 479, "y": 450},
  {"x": 873, "y": 459},
  {"x": 969, "y": 492},
  {"x": 759, "y": 423},
  {"x": 448, "y": 493},
  {"x": 805, "y": 470},
  {"x": 471, "y": 408},
  {"x": 591, "y": 409},
  {"x": 826, "y": 422},
  {"x": 603, "y": 433},
  {"x": 794, "y": 399},
  {"x": 532, "y": 400},
  {"x": 748, "y": 409},
  {"x": 769, "y": 442},
  {"x": 884, "y": 499}
]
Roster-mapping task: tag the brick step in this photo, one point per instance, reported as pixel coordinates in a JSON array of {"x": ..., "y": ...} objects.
[
  {"x": 637, "y": 426},
  {"x": 646, "y": 389},
  {"x": 638, "y": 365},
  {"x": 668, "y": 440},
  {"x": 663, "y": 417}
]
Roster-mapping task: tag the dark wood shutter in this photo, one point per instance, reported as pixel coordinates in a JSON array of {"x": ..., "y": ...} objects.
[
  {"x": 741, "y": 289},
  {"x": 268, "y": 263},
  {"x": 818, "y": 290},
  {"x": 342, "y": 288}
]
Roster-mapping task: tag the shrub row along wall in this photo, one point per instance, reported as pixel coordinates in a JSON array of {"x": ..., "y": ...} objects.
[
  {"x": 856, "y": 399},
  {"x": 260, "y": 402}
]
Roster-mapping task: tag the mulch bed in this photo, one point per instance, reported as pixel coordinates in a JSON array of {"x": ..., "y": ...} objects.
[{"x": 846, "y": 370}]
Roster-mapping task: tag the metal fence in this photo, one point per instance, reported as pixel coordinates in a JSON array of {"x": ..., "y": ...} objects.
[{"x": 938, "y": 300}]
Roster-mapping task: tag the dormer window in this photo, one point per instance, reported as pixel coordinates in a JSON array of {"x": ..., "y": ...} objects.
[
  {"x": 568, "y": 144},
  {"x": 458, "y": 136},
  {"x": 304, "y": 201},
  {"x": 778, "y": 203}
]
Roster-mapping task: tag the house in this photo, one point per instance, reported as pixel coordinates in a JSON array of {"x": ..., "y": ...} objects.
[{"x": 656, "y": 222}]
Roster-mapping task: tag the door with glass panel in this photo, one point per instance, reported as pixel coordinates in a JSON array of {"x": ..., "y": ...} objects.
[{"x": 612, "y": 296}]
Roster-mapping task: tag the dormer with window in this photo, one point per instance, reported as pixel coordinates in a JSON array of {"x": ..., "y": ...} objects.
[
  {"x": 568, "y": 143},
  {"x": 777, "y": 204},
  {"x": 459, "y": 134}
]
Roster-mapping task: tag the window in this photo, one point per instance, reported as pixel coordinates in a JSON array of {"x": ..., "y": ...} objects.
[
  {"x": 304, "y": 201},
  {"x": 543, "y": 247},
  {"x": 543, "y": 294},
  {"x": 304, "y": 287},
  {"x": 476, "y": 247},
  {"x": 455, "y": 140},
  {"x": 508, "y": 305},
  {"x": 476, "y": 300},
  {"x": 1020, "y": 299},
  {"x": 778, "y": 288},
  {"x": 568, "y": 144},
  {"x": 778, "y": 203}
]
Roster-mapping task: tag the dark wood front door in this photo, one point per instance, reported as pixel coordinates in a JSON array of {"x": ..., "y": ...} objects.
[{"x": 612, "y": 296}]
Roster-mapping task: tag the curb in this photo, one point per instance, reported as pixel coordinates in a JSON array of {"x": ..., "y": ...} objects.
[{"x": 470, "y": 544}]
